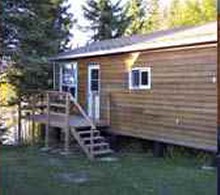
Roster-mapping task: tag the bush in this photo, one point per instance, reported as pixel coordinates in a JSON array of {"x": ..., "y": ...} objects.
[{"x": 7, "y": 94}]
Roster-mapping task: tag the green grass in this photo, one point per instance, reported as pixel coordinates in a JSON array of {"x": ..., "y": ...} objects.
[{"x": 27, "y": 171}]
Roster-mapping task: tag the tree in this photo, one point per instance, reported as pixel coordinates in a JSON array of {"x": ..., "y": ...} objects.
[
  {"x": 136, "y": 13},
  {"x": 143, "y": 15},
  {"x": 32, "y": 32},
  {"x": 153, "y": 21},
  {"x": 191, "y": 12},
  {"x": 107, "y": 20}
]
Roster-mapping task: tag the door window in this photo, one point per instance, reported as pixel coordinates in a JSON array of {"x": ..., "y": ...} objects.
[{"x": 94, "y": 81}]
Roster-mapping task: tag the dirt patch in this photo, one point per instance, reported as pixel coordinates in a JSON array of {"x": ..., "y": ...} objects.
[
  {"x": 55, "y": 162},
  {"x": 109, "y": 159},
  {"x": 76, "y": 177}
]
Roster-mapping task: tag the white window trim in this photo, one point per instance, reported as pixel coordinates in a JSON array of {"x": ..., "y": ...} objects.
[{"x": 141, "y": 69}]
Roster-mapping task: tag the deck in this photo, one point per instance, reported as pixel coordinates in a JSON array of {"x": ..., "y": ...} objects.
[
  {"x": 60, "y": 109},
  {"x": 75, "y": 121}
]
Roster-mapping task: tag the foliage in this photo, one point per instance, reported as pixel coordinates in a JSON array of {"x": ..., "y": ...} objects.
[
  {"x": 32, "y": 32},
  {"x": 177, "y": 153},
  {"x": 107, "y": 20},
  {"x": 144, "y": 16},
  {"x": 191, "y": 12},
  {"x": 153, "y": 22},
  {"x": 7, "y": 94},
  {"x": 10, "y": 78},
  {"x": 137, "y": 14}
]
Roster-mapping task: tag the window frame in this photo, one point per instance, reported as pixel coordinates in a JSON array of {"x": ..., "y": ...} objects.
[
  {"x": 74, "y": 65},
  {"x": 140, "y": 86}
]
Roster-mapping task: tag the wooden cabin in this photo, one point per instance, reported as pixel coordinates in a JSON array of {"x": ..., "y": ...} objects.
[{"x": 160, "y": 87}]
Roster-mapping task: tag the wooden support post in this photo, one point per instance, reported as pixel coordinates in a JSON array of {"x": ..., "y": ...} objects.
[
  {"x": 47, "y": 129},
  {"x": 158, "y": 149},
  {"x": 67, "y": 128},
  {"x": 218, "y": 106},
  {"x": 109, "y": 109},
  {"x": 33, "y": 119},
  {"x": 19, "y": 119}
]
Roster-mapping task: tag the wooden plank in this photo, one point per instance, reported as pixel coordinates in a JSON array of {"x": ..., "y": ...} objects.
[
  {"x": 57, "y": 105},
  {"x": 198, "y": 145},
  {"x": 58, "y": 113}
]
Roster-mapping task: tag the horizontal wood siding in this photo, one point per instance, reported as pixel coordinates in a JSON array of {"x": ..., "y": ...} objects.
[
  {"x": 181, "y": 106},
  {"x": 82, "y": 83}
]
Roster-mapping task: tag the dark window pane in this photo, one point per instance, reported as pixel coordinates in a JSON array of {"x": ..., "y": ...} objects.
[
  {"x": 73, "y": 91},
  {"x": 95, "y": 74},
  {"x": 94, "y": 85},
  {"x": 64, "y": 88},
  {"x": 144, "y": 78},
  {"x": 135, "y": 78}
]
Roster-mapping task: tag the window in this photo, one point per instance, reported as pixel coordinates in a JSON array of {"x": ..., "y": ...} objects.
[
  {"x": 140, "y": 78},
  {"x": 69, "y": 78},
  {"x": 94, "y": 79}
]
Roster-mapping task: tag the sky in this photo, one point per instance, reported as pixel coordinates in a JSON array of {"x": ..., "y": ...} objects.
[{"x": 80, "y": 38}]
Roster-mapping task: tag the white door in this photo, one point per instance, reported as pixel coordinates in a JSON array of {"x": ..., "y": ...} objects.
[{"x": 93, "y": 91}]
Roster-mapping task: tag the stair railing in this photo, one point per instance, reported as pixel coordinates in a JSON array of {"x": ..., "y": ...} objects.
[{"x": 83, "y": 113}]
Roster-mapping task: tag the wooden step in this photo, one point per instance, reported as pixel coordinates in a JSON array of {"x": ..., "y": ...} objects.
[
  {"x": 57, "y": 105},
  {"x": 87, "y": 132},
  {"x": 29, "y": 107},
  {"x": 102, "y": 152},
  {"x": 94, "y": 138},
  {"x": 97, "y": 144},
  {"x": 58, "y": 113}
]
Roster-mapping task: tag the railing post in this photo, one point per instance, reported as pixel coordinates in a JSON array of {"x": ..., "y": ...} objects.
[
  {"x": 19, "y": 119},
  {"x": 48, "y": 121},
  {"x": 33, "y": 118},
  {"x": 66, "y": 147},
  {"x": 93, "y": 106}
]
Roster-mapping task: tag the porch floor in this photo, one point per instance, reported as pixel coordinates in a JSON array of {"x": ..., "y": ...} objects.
[{"x": 75, "y": 121}]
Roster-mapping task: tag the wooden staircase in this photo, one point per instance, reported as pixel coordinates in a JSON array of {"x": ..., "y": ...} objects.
[
  {"x": 89, "y": 138},
  {"x": 93, "y": 144}
]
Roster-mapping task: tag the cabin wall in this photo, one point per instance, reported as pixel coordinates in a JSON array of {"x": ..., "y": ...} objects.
[{"x": 180, "y": 107}]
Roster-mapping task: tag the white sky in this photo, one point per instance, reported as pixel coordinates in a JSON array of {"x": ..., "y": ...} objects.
[{"x": 80, "y": 38}]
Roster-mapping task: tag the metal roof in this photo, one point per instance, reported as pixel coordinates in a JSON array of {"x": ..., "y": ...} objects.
[{"x": 168, "y": 38}]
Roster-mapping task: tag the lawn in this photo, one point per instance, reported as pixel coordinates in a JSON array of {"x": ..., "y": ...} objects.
[{"x": 28, "y": 171}]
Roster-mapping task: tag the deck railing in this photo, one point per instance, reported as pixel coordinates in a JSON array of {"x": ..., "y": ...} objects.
[{"x": 40, "y": 102}]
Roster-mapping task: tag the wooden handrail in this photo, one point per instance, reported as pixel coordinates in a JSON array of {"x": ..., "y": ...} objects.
[
  {"x": 82, "y": 111},
  {"x": 78, "y": 106}
]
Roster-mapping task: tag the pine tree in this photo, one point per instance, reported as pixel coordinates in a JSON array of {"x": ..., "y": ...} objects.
[
  {"x": 144, "y": 16},
  {"x": 107, "y": 20},
  {"x": 32, "y": 32}
]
